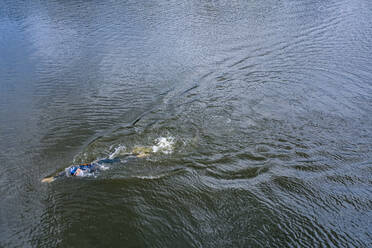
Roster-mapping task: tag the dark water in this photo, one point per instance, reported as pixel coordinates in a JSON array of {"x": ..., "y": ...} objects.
[{"x": 265, "y": 106}]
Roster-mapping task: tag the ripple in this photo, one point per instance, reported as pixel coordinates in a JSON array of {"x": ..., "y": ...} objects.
[{"x": 257, "y": 113}]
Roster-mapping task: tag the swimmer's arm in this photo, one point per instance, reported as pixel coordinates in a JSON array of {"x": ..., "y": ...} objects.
[
  {"x": 52, "y": 178},
  {"x": 48, "y": 179}
]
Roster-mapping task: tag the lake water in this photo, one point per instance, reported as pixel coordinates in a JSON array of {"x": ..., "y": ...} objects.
[{"x": 264, "y": 109}]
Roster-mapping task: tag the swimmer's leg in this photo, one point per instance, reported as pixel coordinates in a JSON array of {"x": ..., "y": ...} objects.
[{"x": 142, "y": 151}]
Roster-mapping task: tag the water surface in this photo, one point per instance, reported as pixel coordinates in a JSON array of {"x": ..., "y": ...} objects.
[{"x": 267, "y": 106}]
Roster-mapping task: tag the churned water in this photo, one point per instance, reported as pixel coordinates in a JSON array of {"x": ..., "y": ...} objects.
[{"x": 257, "y": 114}]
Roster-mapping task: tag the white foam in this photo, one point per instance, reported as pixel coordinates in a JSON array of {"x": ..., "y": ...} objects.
[
  {"x": 164, "y": 145},
  {"x": 150, "y": 177},
  {"x": 120, "y": 150},
  {"x": 102, "y": 167}
]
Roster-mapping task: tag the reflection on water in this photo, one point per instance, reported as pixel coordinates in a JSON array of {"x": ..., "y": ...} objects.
[{"x": 261, "y": 111}]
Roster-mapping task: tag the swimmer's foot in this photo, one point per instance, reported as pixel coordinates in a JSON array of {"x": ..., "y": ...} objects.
[{"x": 47, "y": 180}]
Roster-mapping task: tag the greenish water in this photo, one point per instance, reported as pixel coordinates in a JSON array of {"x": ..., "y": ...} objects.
[{"x": 265, "y": 108}]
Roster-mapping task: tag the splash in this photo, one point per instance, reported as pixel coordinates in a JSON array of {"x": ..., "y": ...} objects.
[
  {"x": 164, "y": 145},
  {"x": 119, "y": 151}
]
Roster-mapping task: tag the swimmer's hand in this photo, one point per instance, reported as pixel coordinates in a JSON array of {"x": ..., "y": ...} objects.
[{"x": 47, "y": 180}]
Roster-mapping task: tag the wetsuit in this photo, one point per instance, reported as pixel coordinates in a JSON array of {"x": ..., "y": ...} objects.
[
  {"x": 89, "y": 168},
  {"x": 81, "y": 169}
]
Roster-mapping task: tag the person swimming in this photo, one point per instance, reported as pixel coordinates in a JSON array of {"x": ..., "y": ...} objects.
[{"x": 82, "y": 170}]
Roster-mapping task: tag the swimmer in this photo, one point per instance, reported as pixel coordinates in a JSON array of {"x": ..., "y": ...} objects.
[{"x": 83, "y": 169}]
